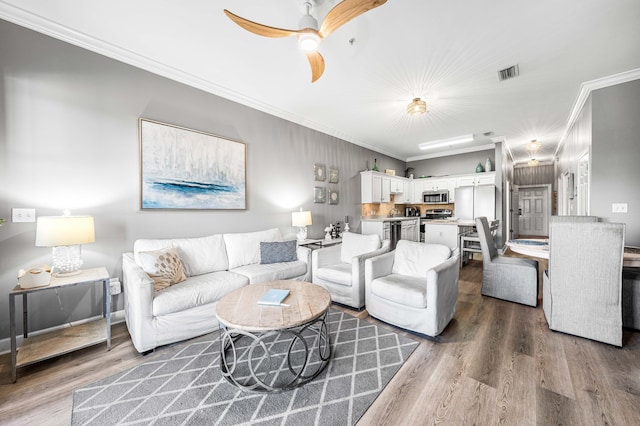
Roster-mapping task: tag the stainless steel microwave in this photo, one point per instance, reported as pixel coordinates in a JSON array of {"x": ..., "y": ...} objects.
[{"x": 436, "y": 197}]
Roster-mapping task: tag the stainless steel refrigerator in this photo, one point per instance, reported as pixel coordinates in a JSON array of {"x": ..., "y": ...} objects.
[{"x": 475, "y": 201}]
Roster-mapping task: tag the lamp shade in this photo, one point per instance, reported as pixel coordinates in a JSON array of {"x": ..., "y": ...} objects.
[
  {"x": 53, "y": 231},
  {"x": 301, "y": 218}
]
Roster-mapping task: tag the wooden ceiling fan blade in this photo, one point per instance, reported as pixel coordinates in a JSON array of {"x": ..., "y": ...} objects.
[
  {"x": 345, "y": 11},
  {"x": 259, "y": 29},
  {"x": 317, "y": 64}
]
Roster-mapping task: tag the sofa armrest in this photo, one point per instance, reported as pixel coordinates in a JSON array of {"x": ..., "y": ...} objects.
[
  {"x": 326, "y": 256},
  {"x": 304, "y": 254},
  {"x": 357, "y": 262},
  {"x": 138, "y": 301},
  {"x": 442, "y": 287},
  {"x": 378, "y": 266}
]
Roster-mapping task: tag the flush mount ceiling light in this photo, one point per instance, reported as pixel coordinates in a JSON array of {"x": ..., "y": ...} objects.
[
  {"x": 533, "y": 162},
  {"x": 446, "y": 142},
  {"x": 417, "y": 106},
  {"x": 533, "y": 146}
]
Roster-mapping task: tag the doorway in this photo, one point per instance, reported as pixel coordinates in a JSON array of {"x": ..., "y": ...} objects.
[{"x": 534, "y": 207}]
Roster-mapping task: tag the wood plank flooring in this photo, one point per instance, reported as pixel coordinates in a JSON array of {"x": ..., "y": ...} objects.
[{"x": 496, "y": 363}]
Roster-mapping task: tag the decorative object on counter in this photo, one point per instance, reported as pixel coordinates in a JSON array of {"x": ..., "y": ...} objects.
[
  {"x": 319, "y": 172},
  {"x": 390, "y": 172},
  {"x": 409, "y": 172},
  {"x": 65, "y": 234},
  {"x": 346, "y": 224},
  {"x": 375, "y": 165},
  {"x": 37, "y": 276},
  {"x": 479, "y": 168},
  {"x": 327, "y": 232},
  {"x": 301, "y": 219},
  {"x": 334, "y": 196},
  {"x": 333, "y": 175},
  {"x": 210, "y": 173},
  {"x": 319, "y": 195},
  {"x": 336, "y": 232},
  {"x": 487, "y": 165}
]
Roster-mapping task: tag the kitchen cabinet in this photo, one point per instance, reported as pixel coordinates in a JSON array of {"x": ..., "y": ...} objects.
[
  {"x": 375, "y": 187},
  {"x": 397, "y": 185},
  {"x": 487, "y": 178},
  {"x": 410, "y": 230}
]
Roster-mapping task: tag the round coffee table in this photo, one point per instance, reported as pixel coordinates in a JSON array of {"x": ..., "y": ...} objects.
[{"x": 274, "y": 348}]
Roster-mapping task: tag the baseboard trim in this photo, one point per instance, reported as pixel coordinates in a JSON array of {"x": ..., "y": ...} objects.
[{"x": 5, "y": 344}]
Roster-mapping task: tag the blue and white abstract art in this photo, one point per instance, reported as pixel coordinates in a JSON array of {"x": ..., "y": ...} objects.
[{"x": 187, "y": 169}]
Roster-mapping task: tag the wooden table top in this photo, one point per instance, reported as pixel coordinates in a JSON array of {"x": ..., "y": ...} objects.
[{"x": 240, "y": 310}]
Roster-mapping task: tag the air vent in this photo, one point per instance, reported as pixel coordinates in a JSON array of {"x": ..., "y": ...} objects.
[{"x": 508, "y": 73}]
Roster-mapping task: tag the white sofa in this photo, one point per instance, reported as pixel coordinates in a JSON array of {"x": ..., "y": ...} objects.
[{"x": 214, "y": 266}]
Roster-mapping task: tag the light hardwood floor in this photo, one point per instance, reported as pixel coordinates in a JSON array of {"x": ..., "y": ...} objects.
[{"x": 496, "y": 363}]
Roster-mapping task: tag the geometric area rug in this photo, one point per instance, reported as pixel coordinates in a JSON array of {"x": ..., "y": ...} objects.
[{"x": 182, "y": 384}]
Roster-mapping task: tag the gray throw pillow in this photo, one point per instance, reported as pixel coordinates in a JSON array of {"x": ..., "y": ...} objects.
[{"x": 275, "y": 252}]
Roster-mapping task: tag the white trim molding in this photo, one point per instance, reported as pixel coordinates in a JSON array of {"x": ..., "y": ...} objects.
[{"x": 585, "y": 90}]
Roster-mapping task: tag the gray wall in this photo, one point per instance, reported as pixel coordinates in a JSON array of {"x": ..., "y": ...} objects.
[
  {"x": 615, "y": 164},
  {"x": 453, "y": 164},
  {"x": 69, "y": 140},
  {"x": 609, "y": 127}
]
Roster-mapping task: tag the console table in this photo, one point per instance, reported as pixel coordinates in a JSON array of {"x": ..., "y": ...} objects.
[{"x": 68, "y": 339}]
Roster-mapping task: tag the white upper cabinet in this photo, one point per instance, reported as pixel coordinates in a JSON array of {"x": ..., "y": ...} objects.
[
  {"x": 487, "y": 178},
  {"x": 375, "y": 187}
]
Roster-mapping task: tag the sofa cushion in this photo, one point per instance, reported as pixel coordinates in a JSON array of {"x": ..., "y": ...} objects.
[
  {"x": 244, "y": 248},
  {"x": 195, "y": 291},
  {"x": 275, "y": 252},
  {"x": 199, "y": 255},
  {"x": 415, "y": 259},
  {"x": 402, "y": 289},
  {"x": 339, "y": 273},
  {"x": 258, "y": 273},
  {"x": 163, "y": 266},
  {"x": 357, "y": 244}
]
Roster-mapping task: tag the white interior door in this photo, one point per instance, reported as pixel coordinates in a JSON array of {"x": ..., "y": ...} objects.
[
  {"x": 534, "y": 205},
  {"x": 514, "y": 212}
]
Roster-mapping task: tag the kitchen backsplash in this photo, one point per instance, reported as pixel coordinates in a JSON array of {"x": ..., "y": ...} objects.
[{"x": 384, "y": 209}]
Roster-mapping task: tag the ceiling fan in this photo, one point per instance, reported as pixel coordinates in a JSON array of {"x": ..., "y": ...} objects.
[{"x": 309, "y": 35}]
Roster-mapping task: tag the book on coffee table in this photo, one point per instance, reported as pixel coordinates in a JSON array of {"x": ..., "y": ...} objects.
[{"x": 273, "y": 297}]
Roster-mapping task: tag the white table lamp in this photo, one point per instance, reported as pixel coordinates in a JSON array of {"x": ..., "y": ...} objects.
[
  {"x": 301, "y": 219},
  {"x": 65, "y": 234}
]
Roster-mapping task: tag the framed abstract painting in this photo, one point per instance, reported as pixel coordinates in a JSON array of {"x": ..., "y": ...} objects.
[{"x": 182, "y": 168}]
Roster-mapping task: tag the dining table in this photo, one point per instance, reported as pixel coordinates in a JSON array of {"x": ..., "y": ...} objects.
[{"x": 539, "y": 247}]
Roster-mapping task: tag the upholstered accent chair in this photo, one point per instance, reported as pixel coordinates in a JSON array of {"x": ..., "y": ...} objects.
[
  {"x": 414, "y": 286},
  {"x": 340, "y": 268},
  {"x": 503, "y": 277},
  {"x": 583, "y": 286}
]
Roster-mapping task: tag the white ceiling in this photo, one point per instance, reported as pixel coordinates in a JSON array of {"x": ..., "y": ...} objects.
[{"x": 447, "y": 52}]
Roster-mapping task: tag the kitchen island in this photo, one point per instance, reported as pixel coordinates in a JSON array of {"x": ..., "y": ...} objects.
[{"x": 445, "y": 231}]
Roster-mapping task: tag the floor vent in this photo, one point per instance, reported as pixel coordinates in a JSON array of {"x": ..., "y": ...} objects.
[{"x": 507, "y": 73}]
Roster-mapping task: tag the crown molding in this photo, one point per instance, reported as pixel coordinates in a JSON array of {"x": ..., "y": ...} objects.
[
  {"x": 585, "y": 90},
  {"x": 27, "y": 19},
  {"x": 452, "y": 152}
]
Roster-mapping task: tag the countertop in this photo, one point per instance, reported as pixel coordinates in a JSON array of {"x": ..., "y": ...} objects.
[
  {"x": 422, "y": 220},
  {"x": 387, "y": 219}
]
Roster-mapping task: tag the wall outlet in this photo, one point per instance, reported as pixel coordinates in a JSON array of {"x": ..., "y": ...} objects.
[
  {"x": 23, "y": 215},
  {"x": 619, "y": 208},
  {"x": 116, "y": 288}
]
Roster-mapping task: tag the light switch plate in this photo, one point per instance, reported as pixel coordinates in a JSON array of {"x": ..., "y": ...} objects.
[
  {"x": 619, "y": 208},
  {"x": 23, "y": 215}
]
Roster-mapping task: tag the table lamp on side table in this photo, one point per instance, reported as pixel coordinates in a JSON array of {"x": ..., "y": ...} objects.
[
  {"x": 301, "y": 219},
  {"x": 65, "y": 234}
]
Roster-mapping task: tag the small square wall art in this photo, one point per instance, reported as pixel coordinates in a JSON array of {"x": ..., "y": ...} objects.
[{"x": 319, "y": 194}]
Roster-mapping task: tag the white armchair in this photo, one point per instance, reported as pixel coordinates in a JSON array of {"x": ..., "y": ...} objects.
[
  {"x": 340, "y": 268},
  {"x": 414, "y": 287}
]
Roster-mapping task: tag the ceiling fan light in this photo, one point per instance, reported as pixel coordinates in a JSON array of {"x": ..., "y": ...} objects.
[
  {"x": 417, "y": 106},
  {"x": 308, "y": 42}
]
